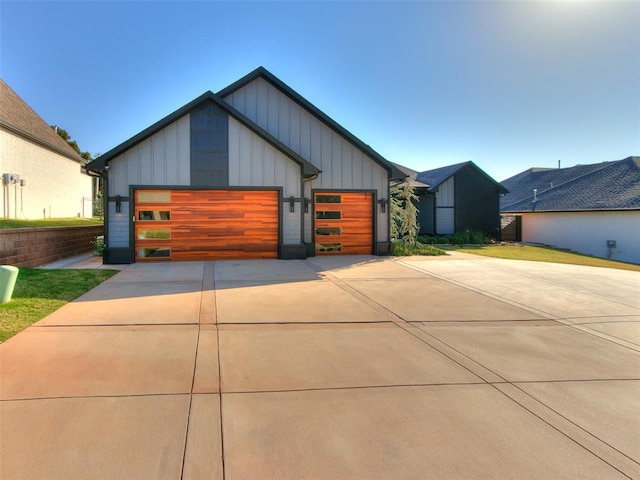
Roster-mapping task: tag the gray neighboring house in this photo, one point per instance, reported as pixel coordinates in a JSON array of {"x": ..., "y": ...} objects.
[
  {"x": 592, "y": 209},
  {"x": 456, "y": 198},
  {"x": 253, "y": 171}
]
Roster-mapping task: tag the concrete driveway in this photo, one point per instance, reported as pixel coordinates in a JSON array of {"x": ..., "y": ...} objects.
[{"x": 331, "y": 368}]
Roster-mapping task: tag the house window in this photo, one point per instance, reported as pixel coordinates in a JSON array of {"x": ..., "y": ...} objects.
[
  {"x": 154, "y": 215},
  {"x": 328, "y": 199},
  {"x": 328, "y": 247},
  {"x": 328, "y": 231},
  {"x": 154, "y": 233},
  {"x": 154, "y": 252},
  {"x": 154, "y": 197},
  {"x": 327, "y": 215}
]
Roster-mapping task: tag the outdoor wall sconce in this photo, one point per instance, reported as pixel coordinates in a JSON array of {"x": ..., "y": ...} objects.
[
  {"x": 306, "y": 205},
  {"x": 383, "y": 204},
  {"x": 292, "y": 203},
  {"x": 118, "y": 204}
]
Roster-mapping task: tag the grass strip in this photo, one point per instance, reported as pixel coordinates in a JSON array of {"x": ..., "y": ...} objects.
[
  {"x": 39, "y": 292},
  {"x": 50, "y": 222},
  {"x": 543, "y": 254}
]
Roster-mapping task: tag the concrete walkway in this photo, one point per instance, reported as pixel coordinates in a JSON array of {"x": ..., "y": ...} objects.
[{"x": 331, "y": 368}]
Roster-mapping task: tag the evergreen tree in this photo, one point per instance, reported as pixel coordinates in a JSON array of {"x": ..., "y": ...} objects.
[{"x": 404, "y": 213}]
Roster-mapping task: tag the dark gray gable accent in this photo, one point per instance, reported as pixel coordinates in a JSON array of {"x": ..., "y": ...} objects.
[
  {"x": 99, "y": 164},
  {"x": 394, "y": 172},
  {"x": 209, "y": 146},
  {"x": 435, "y": 178}
]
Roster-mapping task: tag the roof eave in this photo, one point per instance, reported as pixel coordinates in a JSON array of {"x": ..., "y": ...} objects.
[
  {"x": 100, "y": 164},
  {"x": 261, "y": 72},
  {"x": 18, "y": 131}
]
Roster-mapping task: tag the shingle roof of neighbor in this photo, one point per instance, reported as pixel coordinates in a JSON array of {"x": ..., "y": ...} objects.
[
  {"x": 20, "y": 118},
  {"x": 434, "y": 178},
  {"x": 601, "y": 186}
]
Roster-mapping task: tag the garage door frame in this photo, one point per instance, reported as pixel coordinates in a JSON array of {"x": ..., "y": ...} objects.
[
  {"x": 134, "y": 188},
  {"x": 374, "y": 220}
]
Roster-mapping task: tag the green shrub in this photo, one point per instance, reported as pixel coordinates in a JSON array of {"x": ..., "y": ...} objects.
[
  {"x": 402, "y": 249},
  {"x": 97, "y": 246}
]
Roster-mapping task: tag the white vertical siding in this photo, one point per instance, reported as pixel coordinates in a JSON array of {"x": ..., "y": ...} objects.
[
  {"x": 343, "y": 165},
  {"x": 162, "y": 159},
  {"x": 255, "y": 163},
  {"x": 586, "y": 232},
  {"x": 445, "y": 196},
  {"x": 445, "y": 221}
]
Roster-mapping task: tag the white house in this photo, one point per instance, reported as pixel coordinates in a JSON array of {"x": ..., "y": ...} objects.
[
  {"x": 42, "y": 175},
  {"x": 592, "y": 209}
]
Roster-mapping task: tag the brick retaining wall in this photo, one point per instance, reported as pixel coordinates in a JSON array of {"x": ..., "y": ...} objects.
[{"x": 33, "y": 247}]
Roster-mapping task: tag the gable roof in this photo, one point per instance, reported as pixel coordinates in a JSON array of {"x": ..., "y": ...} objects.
[
  {"x": 601, "y": 186},
  {"x": 261, "y": 72},
  {"x": 435, "y": 178},
  {"x": 410, "y": 173},
  {"x": 19, "y": 118},
  {"x": 99, "y": 164}
]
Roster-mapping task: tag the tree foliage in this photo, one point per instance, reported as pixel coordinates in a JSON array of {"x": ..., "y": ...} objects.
[
  {"x": 404, "y": 213},
  {"x": 67, "y": 138}
]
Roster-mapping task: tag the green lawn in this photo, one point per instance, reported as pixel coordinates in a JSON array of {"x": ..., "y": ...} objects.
[
  {"x": 50, "y": 222},
  {"x": 40, "y": 292},
  {"x": 542, "y": 254}
]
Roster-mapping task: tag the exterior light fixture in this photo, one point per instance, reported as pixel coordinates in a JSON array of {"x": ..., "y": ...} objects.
[
  {"x": 383, "y": 204},
  {"x": 306, "y": 205},
  {"x": 118, "y": 204},
  {"x": 292, "y": 203}
]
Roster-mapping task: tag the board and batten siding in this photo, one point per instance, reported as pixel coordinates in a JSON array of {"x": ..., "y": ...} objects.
[
  {"x": 445, "y": 208},
  {"x": 344, "y": 166},
  {"x": 162, "y": 159},
  {"x": 253, "y": 162}
]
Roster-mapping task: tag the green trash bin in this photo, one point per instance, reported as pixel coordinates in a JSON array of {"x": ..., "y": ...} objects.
[{"x": 8, "y": 277}]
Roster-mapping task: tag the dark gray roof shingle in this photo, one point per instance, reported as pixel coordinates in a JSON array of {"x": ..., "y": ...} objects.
[
  {"x": 601, "y": 186},
  {"x": 434, "y": 178}
]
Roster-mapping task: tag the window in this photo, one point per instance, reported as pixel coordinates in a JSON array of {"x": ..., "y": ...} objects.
[
  {"x": 154, "y": 233},
  {"x": 154, "y": 197},
  {"x": 326, "y": 215},
  {"x": 328, "y": 247},
  {"x": 154, "y": 215},
  {"x": 328, "y": 199},
  {"x": 154, "y": 252},
  {"x": 328, "y": 231}
]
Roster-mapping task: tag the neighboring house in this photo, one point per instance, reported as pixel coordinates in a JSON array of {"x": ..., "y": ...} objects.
[
  {"x": 457, "y": 198},
  {"x": 42, "y": 175},
  {"x": 254, "y": 171},
  {"x": 593, "y": 209}
]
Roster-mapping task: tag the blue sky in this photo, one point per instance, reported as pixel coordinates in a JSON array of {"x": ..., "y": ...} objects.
[{"x": 507, "y": 84}]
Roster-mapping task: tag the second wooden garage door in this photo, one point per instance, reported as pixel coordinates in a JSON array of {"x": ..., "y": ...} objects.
[
  {"x": 205, "y": 224},
  {"x": 343, "y": 223}
]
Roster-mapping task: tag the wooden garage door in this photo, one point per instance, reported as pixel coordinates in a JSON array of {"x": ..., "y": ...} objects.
[
  {"x": 343, "y": 223},
  {"x": 205, "y": 224}
]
